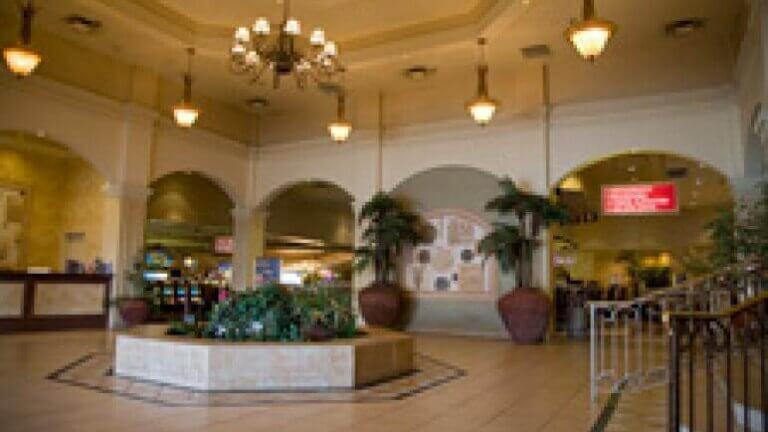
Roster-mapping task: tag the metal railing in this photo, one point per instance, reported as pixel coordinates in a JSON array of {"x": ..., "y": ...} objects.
[{"x": 731, "y": 346}]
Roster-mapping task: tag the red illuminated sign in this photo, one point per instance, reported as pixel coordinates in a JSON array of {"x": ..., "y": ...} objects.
[
  {"x": 224, "y": 245},
  {"x": 640, "y": 199}
]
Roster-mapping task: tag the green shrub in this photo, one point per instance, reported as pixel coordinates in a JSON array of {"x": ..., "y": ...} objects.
[{"x": 275, "y": 313}]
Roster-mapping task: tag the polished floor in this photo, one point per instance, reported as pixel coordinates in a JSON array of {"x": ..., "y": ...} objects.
[{"x": 503, "y": 388}]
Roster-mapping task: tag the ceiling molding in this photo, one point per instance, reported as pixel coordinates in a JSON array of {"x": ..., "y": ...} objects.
[{"x": 181, "y": 27}]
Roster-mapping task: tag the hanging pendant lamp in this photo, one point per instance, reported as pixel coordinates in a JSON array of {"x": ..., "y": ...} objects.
[
  {"x": 591, "y": 35},
  {"x": 20, "y": 59},
  {"x": 340, "y": 128},
  {"x": 185, "y": 112},
  {"x": 482, "y": 107}
]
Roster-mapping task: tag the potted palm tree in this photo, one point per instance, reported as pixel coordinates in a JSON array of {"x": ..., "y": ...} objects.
[
  {"x": 524, "y": 310},
  {"x": 387, "y": 227}
]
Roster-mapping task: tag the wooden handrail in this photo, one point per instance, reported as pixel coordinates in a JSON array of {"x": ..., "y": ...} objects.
[{"x": 724, "y": 314}]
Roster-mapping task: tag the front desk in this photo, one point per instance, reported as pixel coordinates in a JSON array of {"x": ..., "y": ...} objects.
[{"x": 53, "y": 301}]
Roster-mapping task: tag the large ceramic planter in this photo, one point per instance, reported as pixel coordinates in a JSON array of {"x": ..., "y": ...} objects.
[
  {"x": 133, "y": 311},
  {"x": 525, "y": 313},
  {"x": 381, "y": 304}
]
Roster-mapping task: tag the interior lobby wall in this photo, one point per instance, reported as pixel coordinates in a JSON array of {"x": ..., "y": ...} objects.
[
  {"x": 189, "y": 198},
  {"x": 470, "y": 190},
  {"x": 64, "y": 195}
]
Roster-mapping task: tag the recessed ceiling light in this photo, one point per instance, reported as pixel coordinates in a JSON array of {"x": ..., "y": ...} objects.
[
  {"x": 419, "y": 72},
  {"x": 257, "y": 103},
  {"x": 684, "y": 27},
  {"x": 82, "y": 24}
]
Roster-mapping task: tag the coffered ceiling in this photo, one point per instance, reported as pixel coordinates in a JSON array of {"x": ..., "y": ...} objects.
[{"x": 379, "y": 38}]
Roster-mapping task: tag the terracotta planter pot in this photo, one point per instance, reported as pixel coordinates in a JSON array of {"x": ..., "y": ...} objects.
[
  {"x": 133, "y": 311},
  {"x": 381, "y": 304},
  {"x": 525, "y": 313},
  {"x": 319, "y": 333}
]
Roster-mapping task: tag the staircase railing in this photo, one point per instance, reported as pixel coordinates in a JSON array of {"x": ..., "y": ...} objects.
[{"x": 731, "y": 345}]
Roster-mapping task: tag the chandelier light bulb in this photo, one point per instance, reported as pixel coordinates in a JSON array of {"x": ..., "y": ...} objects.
[
  {"x": 252, "y": 58},
  {"x": 238, "y": 49},
  {"x": 261, "y": 26},
  {"x": 292, "y": 27},
  {"x": 330, "y": 49},
  {"x": 317, "y": 38},
  {"x": 21, "y": 61},
  {"x": 591, "y": 35},
  {"x": 242, "y": 35}
]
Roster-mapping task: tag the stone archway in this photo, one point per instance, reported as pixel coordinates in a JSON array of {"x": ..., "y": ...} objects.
[{"x": 53, "y": 205}]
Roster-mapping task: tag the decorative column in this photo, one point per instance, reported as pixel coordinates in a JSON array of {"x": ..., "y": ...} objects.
[
  {"x": 125, "y": 212},
  {"x": 249, "y": 227}
]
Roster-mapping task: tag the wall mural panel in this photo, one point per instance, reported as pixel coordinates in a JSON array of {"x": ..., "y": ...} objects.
[
  {"x": 12, "y": 218},
  {"x": 448, "y": 262}
]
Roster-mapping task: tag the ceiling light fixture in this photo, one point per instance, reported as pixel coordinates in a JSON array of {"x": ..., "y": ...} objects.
[
  {"x": 340, "y": 128},
  {"x": 20, "y": 59},
  {"x": 482, "y": 107},
  {"x": 253, "y": 52},
  {"x": 591, "y": 35},
  {"x": 185, "y": 112}
]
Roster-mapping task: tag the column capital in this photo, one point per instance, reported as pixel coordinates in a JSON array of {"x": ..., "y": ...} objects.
[{"x": 124, "y": 190}]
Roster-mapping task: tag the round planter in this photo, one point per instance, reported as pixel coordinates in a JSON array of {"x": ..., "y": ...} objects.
[
  {"x": 525, "y": 313},
  {"x": 319, "y": 333},
  {"x": 133, "y": 311},
  {"x": 381, "y": 304}
]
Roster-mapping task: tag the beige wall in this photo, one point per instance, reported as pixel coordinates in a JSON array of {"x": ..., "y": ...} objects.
[{"x": 64, "y": 195}]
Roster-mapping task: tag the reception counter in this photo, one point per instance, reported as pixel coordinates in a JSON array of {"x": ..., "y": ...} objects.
[{"x": 53, "y": 301}]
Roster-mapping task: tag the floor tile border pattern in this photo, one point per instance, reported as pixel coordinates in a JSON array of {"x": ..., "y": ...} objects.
[
  {"x": 608, "y": 409},
  {"x": 428, "y": 374}
]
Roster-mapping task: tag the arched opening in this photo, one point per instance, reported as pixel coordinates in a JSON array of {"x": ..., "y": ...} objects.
[
  {"x": 310, "y": 233},
  {"x": 639, "y": 223},
  {"x": 451, "y": 288},
  {"x": 188, "y": 240},
  {"x": 51, "y": 207}
]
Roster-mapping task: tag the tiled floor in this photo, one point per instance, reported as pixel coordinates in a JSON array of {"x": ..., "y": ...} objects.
[{"x": 506, "y": 388}]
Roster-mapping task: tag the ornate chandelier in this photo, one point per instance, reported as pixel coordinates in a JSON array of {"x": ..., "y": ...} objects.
[{"x": 257, "y": 50}]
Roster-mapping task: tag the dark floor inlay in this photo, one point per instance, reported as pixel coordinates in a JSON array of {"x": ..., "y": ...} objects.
[{"x": 94, "y": 372}]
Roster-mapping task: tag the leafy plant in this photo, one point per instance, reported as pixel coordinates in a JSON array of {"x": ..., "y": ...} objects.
[
  {"x": 513, "y": 244},
  {"x": 274, "y": 313},
  {"x": 724, "y": 234},
  {"x": 388, "y": 226}
]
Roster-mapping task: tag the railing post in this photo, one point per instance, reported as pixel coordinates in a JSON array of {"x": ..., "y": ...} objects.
[
  {"x": 592, "y": 353},
  {"x": 691, "y": 380},
  {"x": 745, "y": 372},
  {"x": 727, "y": 333},
  {"x": 674, "y": 376},
  {"x": 709, "y": 344}
]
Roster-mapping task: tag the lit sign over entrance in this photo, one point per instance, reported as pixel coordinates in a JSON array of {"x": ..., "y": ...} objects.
[{"x": 639, "y": 199}]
